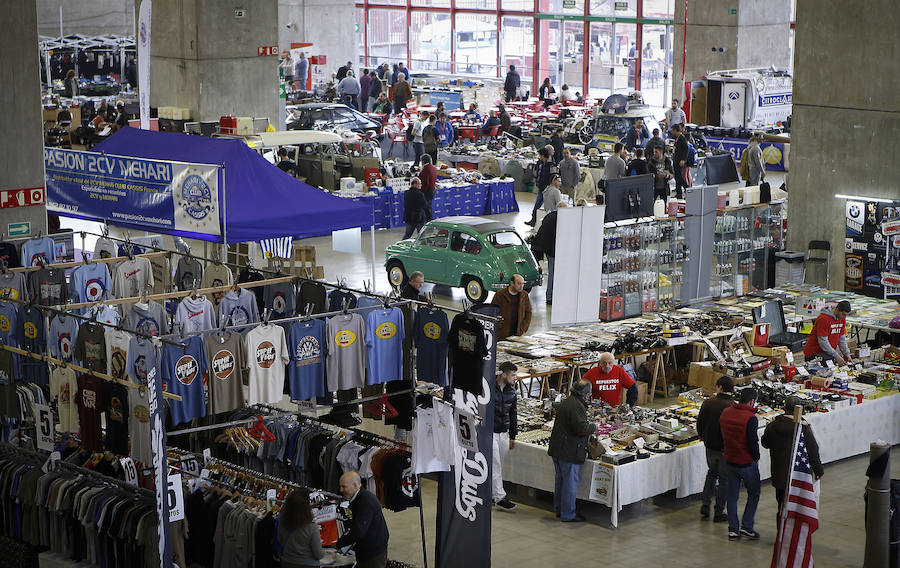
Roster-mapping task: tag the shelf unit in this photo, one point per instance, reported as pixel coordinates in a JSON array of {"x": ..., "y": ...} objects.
[
  {"x": 642, "y": 266},
  {"x": 746, "y": 239}
]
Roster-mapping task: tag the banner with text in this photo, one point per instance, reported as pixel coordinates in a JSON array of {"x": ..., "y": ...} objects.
[
  {"x": 154, "y": 195},
  {"x": 464, "y": 494}
]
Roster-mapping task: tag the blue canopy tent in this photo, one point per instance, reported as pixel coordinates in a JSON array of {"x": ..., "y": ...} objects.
[{"x": 260, "y": 201}]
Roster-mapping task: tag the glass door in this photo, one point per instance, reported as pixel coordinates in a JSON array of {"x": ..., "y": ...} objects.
[
  {"x": 601, "y": 58},
  {"x": 625, "y": 56},
  {"x": 655, "y": 66},
  {"x": 573, "y": 57}
]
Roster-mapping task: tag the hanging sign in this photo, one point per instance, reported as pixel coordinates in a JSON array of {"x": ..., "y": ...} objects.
[
  {"x": 464, "y": 494},
  {"x": 175, "y": 497},
  {"x": 46, "y": 428},
  {"x": 152, "y": 195},
  {"x": 128, "y": 467},
  {"x": 160, "y": 465},
  {"x": 465, "y": 429}
]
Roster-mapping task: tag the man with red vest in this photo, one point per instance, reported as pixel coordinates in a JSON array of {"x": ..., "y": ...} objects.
[
  {"x": 739, "y": 433},
  {"x": 828, "y": 337}
]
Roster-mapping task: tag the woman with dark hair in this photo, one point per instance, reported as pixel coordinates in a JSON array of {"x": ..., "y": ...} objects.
[{"x": 298, "y": 532}]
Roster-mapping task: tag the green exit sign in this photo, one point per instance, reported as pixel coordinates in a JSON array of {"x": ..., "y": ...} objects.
[
  {"x": 732, "y": 11},
  {"x": 621, "y": 6}
]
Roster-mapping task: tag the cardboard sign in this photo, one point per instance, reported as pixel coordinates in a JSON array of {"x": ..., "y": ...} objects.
[
  {"x": 131, "y": 474},
  {"x": 465, "y": 429},
  {"x": 175, "y": 495},
  {"x": 45, "y": 426}
]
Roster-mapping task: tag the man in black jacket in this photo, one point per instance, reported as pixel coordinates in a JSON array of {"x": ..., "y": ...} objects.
[
  {"x": 511, "y": 84},
  {"x": 412, "y": 290},
  {"x": 505, "y": 426},
  {"x": 368, "y": 532},
  {"x": 661, "y": 167},
  {"x": 568, "y": 448},
  {"x": 544, "y": 244},
  {"x": 415, "y": 208},
  {"x": 559, "y": 144},
  {"x": 545, "y": 170},
  {"x": 778, "y": 437},
  {"x": 680, "y": 160},
  {"x": 711, "y": 433}
]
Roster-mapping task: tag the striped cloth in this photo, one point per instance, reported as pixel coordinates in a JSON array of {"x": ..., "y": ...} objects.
[{"x": 279, "y": 247}]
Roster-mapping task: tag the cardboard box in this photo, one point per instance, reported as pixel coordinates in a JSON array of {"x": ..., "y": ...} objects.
[
  {"x": 643, "y": 397},
  {"x": 774, "y": 352},
  {"x": 704, "y": 374}
]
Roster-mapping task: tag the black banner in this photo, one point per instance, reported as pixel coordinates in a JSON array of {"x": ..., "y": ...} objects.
[
  {"x": 160, "y": 465},
  {"x": 463, "y": 536}
]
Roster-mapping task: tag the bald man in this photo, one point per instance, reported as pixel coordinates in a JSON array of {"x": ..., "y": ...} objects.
[
  {"x": 609, "y": 379},
  {"x": 515, "y": 308},
  {"x": 368, "y": 532}
]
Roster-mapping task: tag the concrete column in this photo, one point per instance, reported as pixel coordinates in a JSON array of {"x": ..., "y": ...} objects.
[
  {"x": 729, "y": 34},
  {"x": 22, "y": 166},
  {"x": 330, "y": 25},
  {"x": 846, "y": 117},
  {"x": 204, "y": 57}
]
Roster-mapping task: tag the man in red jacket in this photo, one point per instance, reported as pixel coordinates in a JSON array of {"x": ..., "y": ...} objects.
[
  {"x": 828, "y": 337},
  {"x": 428, "y": 175},
  {"x": 739, "y": 433}
]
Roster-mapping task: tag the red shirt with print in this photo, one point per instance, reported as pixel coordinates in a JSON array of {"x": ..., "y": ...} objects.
[
  {"x": 608, "y": 386},
  {"x": 826, "y": 326}
]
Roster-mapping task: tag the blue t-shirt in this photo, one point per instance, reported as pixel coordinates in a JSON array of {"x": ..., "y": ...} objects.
[
  {"x": 141, "y": 358},
  {"x": 182, "y": 373},
  {"x": 31, "y": 337},
  {"x": 306, "y": 341},
  {"x": 63, "y": 332},
  {"x": 384, "y": 345},
  {"x": 367, "y": 305},
  {"x": 90, "y": 283},
  {"x": 9, "y": 323},
  {"x": 36, "y": 249},
  {"x": 432, "y": 329},
  {"x": 281, "y": 299}
]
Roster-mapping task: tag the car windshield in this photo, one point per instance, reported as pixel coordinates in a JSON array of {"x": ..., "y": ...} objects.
[{"x": 505, "y": 239}]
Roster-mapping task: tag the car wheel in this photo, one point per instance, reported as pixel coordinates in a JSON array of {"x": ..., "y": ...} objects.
[
  {"x": 585, "y": 135},
  {"x": 396, "y": 273},
  {"x": 475, "y": 290}
]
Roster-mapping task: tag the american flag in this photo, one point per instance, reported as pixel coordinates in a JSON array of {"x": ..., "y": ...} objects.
[{"x": 793, "y": 547}]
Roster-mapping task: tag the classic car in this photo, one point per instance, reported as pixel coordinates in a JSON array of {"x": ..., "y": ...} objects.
[{"x": 475, "y": 253}]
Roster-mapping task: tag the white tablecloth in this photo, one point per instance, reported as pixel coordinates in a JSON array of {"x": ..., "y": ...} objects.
[{"x": 841, "y": 434}]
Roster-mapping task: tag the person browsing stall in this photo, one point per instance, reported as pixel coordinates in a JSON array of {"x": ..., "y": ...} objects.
[
  {"x": 505, "y": 425},
  {"x": 568, "y": 448},
  {"x": 472, "y": 115},
  {"x": 515, "y": 308},
  {"x": 368, "y": 533},
  {"x": 298, "y": 533},
  {"x": 415, "y": 208},
  {"x": 638, "y": 136},
  {"x": 412, "y": 290},
  {"x": 492, "y": 121},
  {"x": 428, "y": 177},
  {"x": 444, "y": 130},
  {"x": 710, "y": 431},
  {"x": 828, "y": 340},
  {"x": 608, "y": 380},
  {"x": 741, "y": 449},
  {"x": 285, "y": 164}
]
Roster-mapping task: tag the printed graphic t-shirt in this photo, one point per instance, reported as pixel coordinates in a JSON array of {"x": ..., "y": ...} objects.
[
  {"x": 182, "y": 373},
  {"x": 384, "y": 345},
  {"x": 63, "y": 387},
  {"x": 432, "y": 346},
  {"x": 90, "y": 347},
  {"x": 308, "y": 348},
  {"x": 63, "y": 332},
  {"x": 115, "y": 398},
  {"x": 139, "y": 425},
  {"x": 346, "y": 352},
  {"x": 267, "y": 354},
  {"x": 117, "y": 343},
  {"x": 90, "y": 403},
  {"x": 608, "y": 386},
  {"x": 227, "y": 358},
  {"x": 468, "y": 349}
]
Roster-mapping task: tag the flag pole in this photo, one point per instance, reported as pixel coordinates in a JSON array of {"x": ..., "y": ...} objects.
[{"x": 798, "y": 416}]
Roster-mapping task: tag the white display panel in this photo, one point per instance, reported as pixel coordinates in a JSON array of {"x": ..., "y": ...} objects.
[{"x": 578, "y": 265}]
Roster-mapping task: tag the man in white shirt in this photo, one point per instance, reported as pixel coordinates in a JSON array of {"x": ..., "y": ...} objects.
[{"x": 674, "y": 116}]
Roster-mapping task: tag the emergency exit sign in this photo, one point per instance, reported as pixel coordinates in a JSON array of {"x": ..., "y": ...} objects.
[{"x": 732, "y": 11}]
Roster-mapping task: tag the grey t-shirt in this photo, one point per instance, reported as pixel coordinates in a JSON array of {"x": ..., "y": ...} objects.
[
  {"x": 552, "y": 197},
  {"x": 12, "y": 285},
  {"x": 149, "y": 318},
  {"x": 139, "y": 425},
  {"x": 346, "y": 368},
  {"x": 227, "y": 358},
  {"x": 132, "y": 278},
  {"x": 189, "y": 274},
  {"x": 48, "y": 286}
]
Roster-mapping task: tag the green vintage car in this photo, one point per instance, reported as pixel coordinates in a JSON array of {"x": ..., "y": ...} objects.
[{"x": 475, "y": 253}]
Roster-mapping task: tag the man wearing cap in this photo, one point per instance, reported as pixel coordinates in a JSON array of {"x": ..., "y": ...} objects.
[
  {"x": 568, "y": 448},
  {"x": 828, "y": 336}
]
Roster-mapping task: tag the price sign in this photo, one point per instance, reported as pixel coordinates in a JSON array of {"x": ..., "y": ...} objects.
[
  {"x": 271, "y": 497},
  {"x": 207, "y": 456},
  {"x": 830, "y": 364},
  {"x": 465, "y": 429},
  {"x": 864, "y": 352},
  {"x": 191, "y": 466},
  {"x": 175, "y": 495},
  {"x": 803, "y": 371},
  {"x": 131, "y": 474},
  {"x": 46, "y": 428},
  {"x": 789, "y": 357}
]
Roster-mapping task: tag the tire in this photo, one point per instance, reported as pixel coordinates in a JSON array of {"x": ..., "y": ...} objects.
[
  {"x": 396, "y": 273},
  {"x": 474, "y": 290}
]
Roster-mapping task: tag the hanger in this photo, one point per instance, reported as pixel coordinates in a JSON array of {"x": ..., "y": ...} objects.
[
  {"x": 307, "y": 311},
  {"x": 181, "y": 331},
  {"x": 259, "y": 431},
  {"x": 4, "y": 266},
  {"x": 345, "y": 306},
  {"x": 266, "y": 313}
]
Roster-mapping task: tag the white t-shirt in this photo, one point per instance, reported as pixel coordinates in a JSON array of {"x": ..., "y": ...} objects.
[
  {"x": 63, "y": 387},
  {"x": 117, "y": 342},
  {"x": 425, "y": 455},
  {"x": 133, "y": 278},
  {"x": 267, "y": 354}
]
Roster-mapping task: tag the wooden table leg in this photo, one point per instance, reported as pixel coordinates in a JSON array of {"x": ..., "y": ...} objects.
[{"x": 656, "y": 367}]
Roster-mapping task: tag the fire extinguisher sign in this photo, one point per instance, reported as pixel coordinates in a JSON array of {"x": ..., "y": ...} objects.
[{"x": 266, "y": 50}]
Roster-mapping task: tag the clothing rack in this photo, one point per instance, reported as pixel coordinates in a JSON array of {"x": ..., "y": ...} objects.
[
  {"x": 183, "y": 293},
  {"x": 56, "y": 311},
  {"x": 248, "y": 326},
  {"x": 37, "y": 458},
  {"x": 337, "y": 286},
  {"x": 80, "y": 369},
  {"x": 76, "y": 263}
]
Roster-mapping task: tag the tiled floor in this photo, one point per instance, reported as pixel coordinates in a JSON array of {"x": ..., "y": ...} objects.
[{"x": 663, "y": 531}]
